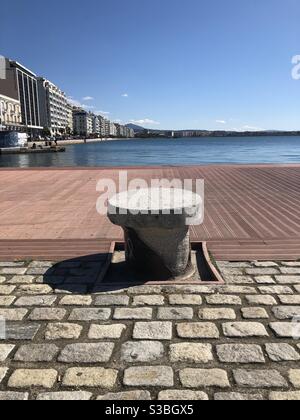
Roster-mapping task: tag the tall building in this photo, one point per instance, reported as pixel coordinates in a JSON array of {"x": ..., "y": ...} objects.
[
  {"x": 106, "y": 127},
  {"x": 96, "y": 125},
  {"x": 112, "y": 130},
  {"x": 102, "y": 125},
  {"x": 70, "y": 124},
  {"x": 53, "y": 107},
  {"x": 20, "y": 84},
  {"x": 83, "y": 122}
]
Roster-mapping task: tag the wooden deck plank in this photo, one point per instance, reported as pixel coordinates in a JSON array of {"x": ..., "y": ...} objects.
[{"x": 255, "y": 208}]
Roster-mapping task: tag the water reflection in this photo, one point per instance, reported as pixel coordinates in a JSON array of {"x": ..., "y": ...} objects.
[{"x": 190, "y": 151}]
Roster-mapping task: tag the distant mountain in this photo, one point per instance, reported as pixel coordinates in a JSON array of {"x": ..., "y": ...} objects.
[{"x": 135, "y": 128}]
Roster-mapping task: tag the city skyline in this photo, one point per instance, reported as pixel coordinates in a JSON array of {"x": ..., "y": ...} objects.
[{"x": 211, "y": 66}]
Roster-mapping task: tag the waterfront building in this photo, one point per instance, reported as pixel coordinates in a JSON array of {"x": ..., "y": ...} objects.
[
  {"x": 119, "y": 130},
  {"x": 96, "y": 125},
  {"x": 70, "y": 124},
  {"x": 102, "y": 125},
  {"x": 83, "y": 122},
  {"x": 106, "y": 127},
  {"x": 112, "y": 130},
  {"x": 20, "y": 84},
  {"x": 54, "y": 112},
  {"x": 10, "y": 114}
]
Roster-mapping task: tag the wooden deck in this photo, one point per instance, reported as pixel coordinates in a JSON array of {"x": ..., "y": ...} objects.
[{"x": 251, "y": 212}]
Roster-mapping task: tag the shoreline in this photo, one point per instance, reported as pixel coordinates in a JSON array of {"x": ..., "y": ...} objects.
[{"x": 79, "y": 141}]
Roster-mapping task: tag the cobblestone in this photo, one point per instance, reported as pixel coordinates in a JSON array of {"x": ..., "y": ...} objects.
[
  {"x": 223, "y": 300},
  {"x": 259, "y": 378},
  {"x": 152, "y": 331},
  {"x": 198, "y": 330},
  {"x": 236, "y": 396},
  {"x": 244, "y": 329},
  {"x": 294, "y": 377},
  {"x": 13, "y": 396},
  {"x": 148, "y": 300},
  {"x": 265, "y": 300},
  {"x": 281, "y": 352},
  {"x": 36, "y": 353},
  {"x": 126, "y": 396},
  {"x": 13, "y": 271},
  {"x": 21, "y": 332},
  {"x": 21, "y": 280},
  {"x": 6, "y": 290},
  {"x": 277, "y": 290},
  {"x": 285, "y": 396},
  {"x": 286, "y": 312},
  {"x": 27, "y": 378},
  {"x": 65, "y": 396},
  {"x": 47, "y": 314},
  {"x": 3, "y": 372},
  {"x": 197, "y": 378},
  {"x": 86, "y": 353},
  {"x": 7, "y": 300},
  {"x": 90, "y": 377},
  {"x": 111, "y": 300},
  {"x": 100, "y": 332},
  {"x": 13, "y": 314},
  {"x": 288, "y": 279},
  {"x": 254, "y": 313},
  {"x": 240, "y": 353},
  {"x": 289, "y": 300},
  {"x": 141, "y": 351},
  {"x": 5, "y": 350},
  {"x": 151, "y": 376},
  {"x": 185, "y": 300},
  {"x": 286, "y": 329},
  {"x": 215, "y": 314},
  {"x": 73, "y": 300},
  {"x": 88, "y": 314},
  {"x": 191, "y": 352},
  {"x": 35, "y": 301},
  {"x": 175, "y": 313},
  {"x": 182, "y": 395},
  {"x": 62, "y": 331},
  {"x": 238, "y": 341},
  {"x": 139, "y": 313},
  {"x": 35, "y": 289}
]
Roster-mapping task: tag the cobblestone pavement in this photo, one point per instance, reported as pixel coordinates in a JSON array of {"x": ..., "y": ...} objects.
[{"x": 236, "y": 341}]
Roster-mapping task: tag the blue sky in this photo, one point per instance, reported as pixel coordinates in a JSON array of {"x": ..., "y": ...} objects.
[{"x": 207, "y": 64}]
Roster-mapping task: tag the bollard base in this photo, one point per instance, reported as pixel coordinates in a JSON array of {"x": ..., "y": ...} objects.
[{"x": 201, "y": 270}]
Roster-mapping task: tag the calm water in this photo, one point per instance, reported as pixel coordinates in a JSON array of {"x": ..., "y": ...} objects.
[{"x": 188, "y": 151}]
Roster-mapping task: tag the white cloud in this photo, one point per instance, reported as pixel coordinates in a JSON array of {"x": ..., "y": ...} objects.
[
  {"x": 103, "y": 112},
  {"x": 78, "y": 104},
  {"x": 125, "y": 95},
  {"x": 88, "y": 98},
  {"x": 251, "y": 128},
  {"x": 221, "y": 121},
  {"x": 74, "y": 102},
  {"x": 145, "y": 121}
]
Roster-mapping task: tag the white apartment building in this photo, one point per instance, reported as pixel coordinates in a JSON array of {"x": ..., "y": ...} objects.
[
  {"x": 83, "y": 122},
  {"x": 10, "y": 113},
  {"x": 96, "y": 125},
  {"x": 112, "y": 130},
  {"x": 106, "y": 128},
  {"x": 53, "y": 107},
  {"x": 70, "y": 125},
  {"x": 102, "y": 124}
]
